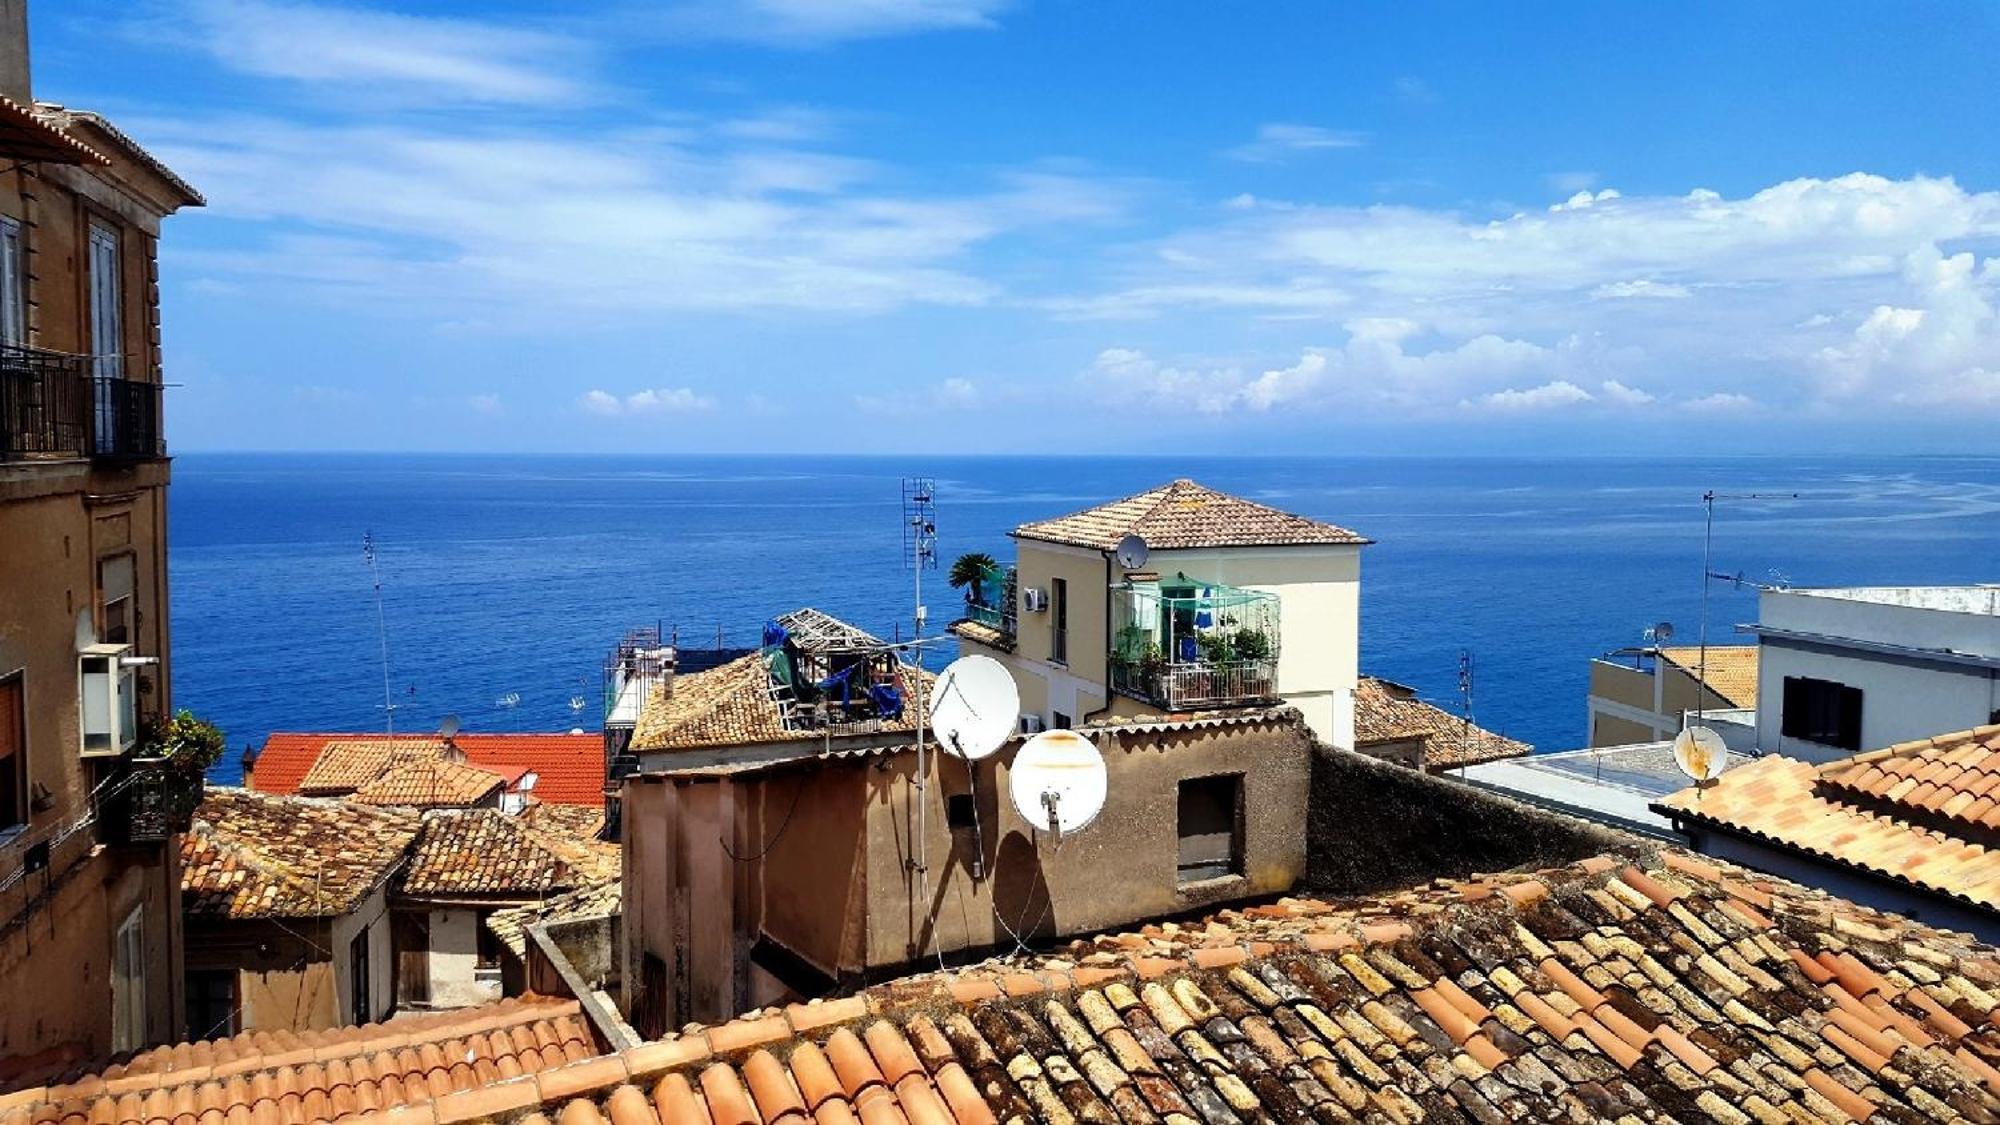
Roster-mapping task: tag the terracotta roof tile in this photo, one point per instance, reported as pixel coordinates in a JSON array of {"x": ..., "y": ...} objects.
[
  {"x": 485, "y": 852},
  {"x": 1732, "y": 670},
  {"x": 252, "y": 855},
  {"x": 569, "y": 768},
  {"x": 604, "y": 900},
  {"x": 346, "y": 765},
  {"x": 1870, "y": 812},
  {"x": 1628, "y": 988},
  {"x": 295, "y": 1078},
  {"x": 1385, "y": 711},
  {"x": 1183, "y": 515}
]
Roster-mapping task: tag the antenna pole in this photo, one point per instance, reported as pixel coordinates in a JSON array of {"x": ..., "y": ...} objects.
[
  {"x": 381, "y": 629},
  {"x": 920, "y": 552},
  {"x": 1465, "y": 699},
  {"x": 1707, "y": 555}
]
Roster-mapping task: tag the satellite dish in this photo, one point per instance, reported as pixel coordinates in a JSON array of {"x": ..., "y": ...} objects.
[
  {"x": 1058, "y": 782},
  {"x": 1132, "y": 552},
  {"x": 1662, "y": 633},
  {"x": 448, "y": 727},
  {"x": 1700, "y": 754},
  {"x": 974, "y": 706}
]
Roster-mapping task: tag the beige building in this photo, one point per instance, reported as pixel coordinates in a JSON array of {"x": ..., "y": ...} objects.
[
  {"x": 1177, "y": 600},
  {"x": 1643, "y": 694},
  {"x": 89, "y": 917},
  {"x": 775, "y": 852}
]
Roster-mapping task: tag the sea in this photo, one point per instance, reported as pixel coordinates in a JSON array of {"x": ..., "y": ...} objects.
[{"x": 500, "y": 582}]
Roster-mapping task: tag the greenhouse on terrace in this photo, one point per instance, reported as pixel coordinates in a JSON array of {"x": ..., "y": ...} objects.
[{"x": 1183, "y": 643}]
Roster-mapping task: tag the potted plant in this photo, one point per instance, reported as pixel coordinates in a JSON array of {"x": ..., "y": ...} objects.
[
  {"x": 968, "y": 573},
  {"x": 168, "y": 774}
]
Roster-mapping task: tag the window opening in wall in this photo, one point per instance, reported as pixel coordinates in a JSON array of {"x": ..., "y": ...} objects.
[
  {"x": 128, "y": 983},
  {"x": 958, "y": 810},
  {"x": 360, "y": 1009},
  {"x": 13, "y": 755},
  {"x": 1059, "y": 620},
  {"x": 1211, "y": 827},
  {"x": 211, "y": 1004},
  {"x": 1821, "y": 711}
]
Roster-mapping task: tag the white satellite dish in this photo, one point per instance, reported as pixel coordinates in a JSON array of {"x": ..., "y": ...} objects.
[
  {"x": 1132, "y": 552},
  {"x": 1700, "y": 754},
  {"x": 1058, "y": 782},
  {"x": 448, "y": 727},
  {"x": 974, "y": 706}
]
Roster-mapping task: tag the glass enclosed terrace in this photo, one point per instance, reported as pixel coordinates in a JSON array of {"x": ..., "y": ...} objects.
[{"x": 1182, "y": 643}]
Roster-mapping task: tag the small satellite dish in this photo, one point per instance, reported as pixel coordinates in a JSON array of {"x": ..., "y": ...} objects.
[
  {"x": 1700, "y": 754},
  {"x": 1132, "y": 552},
  {"x": 448, "y": 727},
  {"x": 1058, "y": 782},
  {"x": 974, "y": 706},
  {"x": 1662, "y": 633}
]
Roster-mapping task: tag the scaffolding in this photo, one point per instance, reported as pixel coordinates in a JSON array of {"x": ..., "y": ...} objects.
[
  {"x": 827, "y": 673},
  {"x": 1183, "y": 643}
]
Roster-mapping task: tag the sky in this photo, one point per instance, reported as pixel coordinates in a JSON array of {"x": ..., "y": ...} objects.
[{"x": 1086, "y": 226}]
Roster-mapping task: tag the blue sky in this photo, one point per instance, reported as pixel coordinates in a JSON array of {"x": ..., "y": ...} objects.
[{"x": 1045, "y": 225}]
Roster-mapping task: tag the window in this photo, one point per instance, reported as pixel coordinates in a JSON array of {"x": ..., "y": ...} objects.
[
  {"x": 1059, "y": 721},
  {"x": 13, "y": 290},
  {"x": 106, "y": 316},
  {"x": 410, "y": 936},
  {"x": 1211, "y": 827},
  {"x": 359, "y": 1008},
  {"x": 1059, "y": 620},
  {"x": 128, "y": 984},
  {"x": 116, "y": 583},
  {"x": 959, "y": 811},
  {"x": 13, "y": 755},
  {"x": 1821, "y": 711},
  {"x": 489, "y": 945},
  {"x": 211, "y": 1003}
]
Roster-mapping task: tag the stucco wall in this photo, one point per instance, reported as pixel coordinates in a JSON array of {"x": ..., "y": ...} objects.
[
  {"x": 454, "y": 960},
  {"x": 1900, "y": 700},
  {"x": 372, "y": 916}
]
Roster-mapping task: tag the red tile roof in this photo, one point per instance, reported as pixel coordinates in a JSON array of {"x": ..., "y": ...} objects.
[
  {"x": 1923, "y": 813},
  {"x": 255, "y": 855},
  {"x": 1731, "y": 674},
  {"x": 569, "y": 768},
  {"x": 1183, "y": 514},
  {"x": 1386, "y": 711},
  {"x": 488, "y": 853},
  {"x": 293, "y": 1078},
  {"x": 1646, "y": 988}
]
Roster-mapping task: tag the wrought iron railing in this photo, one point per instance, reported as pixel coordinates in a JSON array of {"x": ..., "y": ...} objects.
[
  {"x": 1191, "y": 686},
  {"x": 158, "y": 802},
  {"x": 51, "y": 405}
]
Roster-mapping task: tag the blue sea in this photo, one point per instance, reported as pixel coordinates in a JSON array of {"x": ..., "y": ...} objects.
[{"x": 505, "y": 579}]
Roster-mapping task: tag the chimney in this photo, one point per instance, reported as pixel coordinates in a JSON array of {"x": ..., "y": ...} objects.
[{"x": 14, "y": 52}]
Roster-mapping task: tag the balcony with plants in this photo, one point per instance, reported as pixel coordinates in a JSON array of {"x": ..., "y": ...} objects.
[
  {"x": 990, "y": 595},
  {"x": 1184, "y": 644}
]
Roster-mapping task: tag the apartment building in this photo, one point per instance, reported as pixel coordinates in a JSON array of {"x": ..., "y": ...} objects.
[{"x": 89, "y": 910}]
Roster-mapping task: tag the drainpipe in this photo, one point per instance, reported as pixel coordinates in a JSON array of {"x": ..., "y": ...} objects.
[{"x": 1084, "y": 720}]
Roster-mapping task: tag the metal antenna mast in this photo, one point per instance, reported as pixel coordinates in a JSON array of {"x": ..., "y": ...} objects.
[
  {"x": 381, "y": 628},
  {"x": 920, "y": 554},
  {"x": 1465, "y": 698},
  {"x": 1708, "y": 575}
]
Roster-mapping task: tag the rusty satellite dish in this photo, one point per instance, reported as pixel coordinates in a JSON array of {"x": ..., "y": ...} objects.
[{"x": 1058, "y": 782}]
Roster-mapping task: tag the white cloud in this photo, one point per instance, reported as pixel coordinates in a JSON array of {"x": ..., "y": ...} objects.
[
  {"x": 1569, "y": 183},
  {"x": 1617, "y": 393},
  {"x": 1720, "y": 402},
  {"x": 1415, "y": 90},
  {"x": 1643, "y": 287},
  {"x": 1585, "y": 199},
  {"x": 812, "y": 23},
  {"x": 1548, "y": 396},
  {"x": 954, "y": 394},
  {"x": 663, "y": 400},
  {"x": 1949, "y": 336},
  {"x": 488, "y": 404},
  {"x": 1277, "y": 140},
  {"x": 377, "y": 52}
]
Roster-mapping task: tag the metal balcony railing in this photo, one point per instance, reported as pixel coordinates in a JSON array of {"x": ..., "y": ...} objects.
[
  {"x": 158, "y": 801},
  {"x": 1192, "y": 686},
  {"x": 52, "y": 406}
]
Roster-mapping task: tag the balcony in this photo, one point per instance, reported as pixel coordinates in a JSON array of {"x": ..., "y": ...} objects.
[
  {"x": 156, "y": 800},
  {"x": 52, "y": 407},
  {"x": 1183, "y": 644},
  {"x": 991, "y": 601}
]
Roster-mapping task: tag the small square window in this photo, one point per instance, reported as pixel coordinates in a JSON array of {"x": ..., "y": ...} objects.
[
  {"x": 958, "y": 811},
  {"x": 1211, "y": 827},
  {"x": 1059, "y": 721}
]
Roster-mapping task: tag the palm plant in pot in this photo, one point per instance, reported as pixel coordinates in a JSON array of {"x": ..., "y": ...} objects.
[{"x": 968, "y": 573}]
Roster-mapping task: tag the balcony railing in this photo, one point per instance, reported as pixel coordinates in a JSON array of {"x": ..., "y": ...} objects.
[
  {"x": 1198, "y": 685},
  {"x": 158, "y": 801},
  {"x": 52, "y": 406},
  {"x": 991, "y": 603}
]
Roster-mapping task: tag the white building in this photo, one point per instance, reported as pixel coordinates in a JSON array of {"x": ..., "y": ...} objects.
[
  {"x": 1846, "y": 669},
  {"x": 1226, "y": 603}
]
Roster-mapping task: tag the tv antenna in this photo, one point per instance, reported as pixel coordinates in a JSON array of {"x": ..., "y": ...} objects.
[
  {"x": 972, "y": 714},
  {"x": 1465, "y": 700},
  {"x": 1058, "y": 783},
  {"x": 381, "y": 628},
  {"x": 1708, "y": 575},
  {"x": 919, "y": 555}
]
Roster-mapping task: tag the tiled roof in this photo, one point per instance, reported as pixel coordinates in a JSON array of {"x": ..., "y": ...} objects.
[
  {"x": 64, "y": 118},
  {"x": 485, "y": 852},
  {"x": 729, "y": 705},
  {"x": 345, "y": 765},
  {"x": 983, "y": 633},
  {"x": 1732, "y": 670},
  {"x": 1183, "y": 514},
  {"x": 297, "y": 1078},
  {"x": 430, "y": 783},
  {"x": 602, "y": 901},
  {"x": 1920, "y": 813},
  {"x": 569, "y": 768},
  {"x": 1385, "y": 711},
  {"x": 1649, "y": 988},
  {"x": 252, "y": 855},
  {"x": 25, "y": 136}
]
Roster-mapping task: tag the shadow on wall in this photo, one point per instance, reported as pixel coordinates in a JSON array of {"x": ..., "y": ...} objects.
[{"x": 1374, "y": 826}]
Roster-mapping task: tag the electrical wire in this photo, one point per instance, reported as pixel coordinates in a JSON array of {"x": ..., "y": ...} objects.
[{"x": 798, "y": 789}]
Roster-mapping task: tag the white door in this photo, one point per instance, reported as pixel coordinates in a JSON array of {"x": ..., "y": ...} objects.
[
  {"x": 107, "y": 338},
  {"x": 128, "y": 984}
]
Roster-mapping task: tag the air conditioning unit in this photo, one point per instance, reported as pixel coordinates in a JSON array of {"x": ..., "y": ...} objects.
[
  {"x": 1032, "y": 724},
  {"x": 108, "y": 691},
  {"x": 1034, "y": 599}
]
